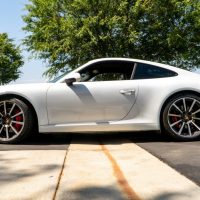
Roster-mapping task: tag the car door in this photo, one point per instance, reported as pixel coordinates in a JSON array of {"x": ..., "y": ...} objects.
[{"x": 85, "y": 102}]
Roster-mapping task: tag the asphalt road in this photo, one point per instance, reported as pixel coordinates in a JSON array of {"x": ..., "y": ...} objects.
[{"x": 182, "y": 156}]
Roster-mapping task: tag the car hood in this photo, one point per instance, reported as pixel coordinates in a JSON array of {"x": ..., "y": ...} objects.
[{"x": 24, "y": 88}]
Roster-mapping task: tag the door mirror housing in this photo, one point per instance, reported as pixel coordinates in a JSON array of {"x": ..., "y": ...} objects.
[{"x": 75, "y": 77}]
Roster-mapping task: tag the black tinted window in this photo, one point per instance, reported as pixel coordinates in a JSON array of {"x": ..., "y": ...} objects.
[
  {"x": 145, "y": 71},
  {"x": 108, "y": 71}
]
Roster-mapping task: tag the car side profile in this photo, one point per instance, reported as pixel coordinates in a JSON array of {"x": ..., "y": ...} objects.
[{"x": 105, "y": 95}]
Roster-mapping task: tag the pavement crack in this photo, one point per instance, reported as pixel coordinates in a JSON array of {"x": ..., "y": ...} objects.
[{"x": 60, "y": 176}]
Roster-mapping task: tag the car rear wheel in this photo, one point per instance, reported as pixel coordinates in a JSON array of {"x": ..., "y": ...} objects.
[
  {"x": 15, "y": 121},
  {"x": 181, "y": 117}
]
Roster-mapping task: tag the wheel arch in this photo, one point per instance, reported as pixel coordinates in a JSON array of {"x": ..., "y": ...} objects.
[
  {"x": 168, "y": 99},
  {"x": 26, "y": 101}
]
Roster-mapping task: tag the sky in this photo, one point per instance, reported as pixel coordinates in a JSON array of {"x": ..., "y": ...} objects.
[{"x": 11, "y": 22}]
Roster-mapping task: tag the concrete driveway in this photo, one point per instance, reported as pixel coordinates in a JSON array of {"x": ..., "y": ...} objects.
[{"x": 87, "y": 167}]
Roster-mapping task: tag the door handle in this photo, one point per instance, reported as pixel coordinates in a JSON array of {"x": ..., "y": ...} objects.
[{"x": 127, "y": 92}]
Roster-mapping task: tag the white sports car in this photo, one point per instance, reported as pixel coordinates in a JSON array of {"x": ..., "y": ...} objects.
[{"x": 109, "y": 94}]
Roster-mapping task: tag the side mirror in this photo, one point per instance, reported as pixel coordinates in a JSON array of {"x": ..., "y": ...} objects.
[{"x": 75, "y": 77}]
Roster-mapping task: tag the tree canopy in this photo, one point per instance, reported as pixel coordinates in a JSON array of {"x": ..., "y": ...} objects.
[
  {"x": 67, "y": 33},
  {"x": 10, "y": 60}
]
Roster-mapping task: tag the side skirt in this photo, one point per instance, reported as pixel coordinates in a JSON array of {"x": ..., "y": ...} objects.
[{"x": 98, "y": 127}]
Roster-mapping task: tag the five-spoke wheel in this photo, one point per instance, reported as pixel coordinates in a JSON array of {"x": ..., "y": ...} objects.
[
  {"x": 15, "y": 120},
  {"x": 181, "y": 117}
]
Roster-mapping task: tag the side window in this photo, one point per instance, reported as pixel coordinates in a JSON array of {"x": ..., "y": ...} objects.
[
  {"x": 146, "y": 71},
  {"x": 108, "y": 70},
  {"x": 109, "y": 76}
]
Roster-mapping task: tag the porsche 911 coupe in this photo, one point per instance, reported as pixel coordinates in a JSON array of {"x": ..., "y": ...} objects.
[{"x": 105, "y": 95}]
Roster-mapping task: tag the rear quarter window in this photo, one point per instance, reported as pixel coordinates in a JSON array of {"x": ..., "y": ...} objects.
[{"x": 146, "y": 71}]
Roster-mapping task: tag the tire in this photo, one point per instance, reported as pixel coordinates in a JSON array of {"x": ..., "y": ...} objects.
[
  {"x": 181, "y": 117},
  {"x": 16, "y": 121}
]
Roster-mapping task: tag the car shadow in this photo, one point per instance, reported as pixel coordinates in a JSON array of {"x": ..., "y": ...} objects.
[
  {"x": 40, "y": 142},
  {"x": 118, "y": 137},
  {"x": 60, "y": 141}
]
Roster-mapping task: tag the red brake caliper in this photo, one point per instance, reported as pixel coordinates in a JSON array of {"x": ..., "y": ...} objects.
[
  {"x": 174, "y": 119},
  {"x": 18, "y": 119}
]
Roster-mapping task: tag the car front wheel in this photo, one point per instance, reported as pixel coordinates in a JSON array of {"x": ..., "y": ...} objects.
[
  {"x": 181, "y": 117},
  {"x": 15, "y": 121}
]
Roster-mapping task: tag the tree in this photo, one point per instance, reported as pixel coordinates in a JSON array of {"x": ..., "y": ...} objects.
[
  {"x": 10, "y": 60},
  {"x": 67, "y": 33}
]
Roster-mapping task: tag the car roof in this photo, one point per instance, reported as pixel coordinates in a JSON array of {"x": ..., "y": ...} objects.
[
  {"x": 179, "y": 70},
  {"x": 175, "y": 69}
]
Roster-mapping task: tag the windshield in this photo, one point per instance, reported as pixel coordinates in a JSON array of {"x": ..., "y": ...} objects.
[{"x": 60, "y": 76}]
